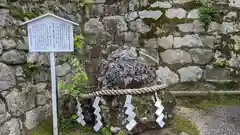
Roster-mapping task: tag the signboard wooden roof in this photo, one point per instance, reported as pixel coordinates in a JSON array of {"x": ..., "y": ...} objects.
[{"x": 48, "y": 14}]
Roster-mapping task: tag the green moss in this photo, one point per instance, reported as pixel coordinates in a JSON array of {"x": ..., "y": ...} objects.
[
  {"x": 220, "y": 101},
  {"x": 184, "y": 125},
  {"x": 45, "y": 128},
  {"x": 18, "y": 13},
  {"x": 142, "y": 106},
  {"x": 228, "y": 86},
  {"x": 31, "y": 70},
  {"x": 208, "y": 13},
  {"x": 209, "y": 101},
  {"x": 31, "y": 15},
  {"x": 220, "y": 63},
  {"x": 190, "y": 5}
]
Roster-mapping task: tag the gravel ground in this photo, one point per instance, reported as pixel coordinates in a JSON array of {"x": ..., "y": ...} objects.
[
  {"x": 216, "y": 120},
  {"x": 224, "y": 121}
]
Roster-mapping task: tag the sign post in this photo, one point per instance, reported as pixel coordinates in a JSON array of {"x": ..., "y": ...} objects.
[
  {"x": 49, "y": 33},
  {"x": 54, "y": 94}
]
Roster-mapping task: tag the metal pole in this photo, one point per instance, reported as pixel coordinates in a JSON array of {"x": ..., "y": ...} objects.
[{"x": 54, "y": 95}]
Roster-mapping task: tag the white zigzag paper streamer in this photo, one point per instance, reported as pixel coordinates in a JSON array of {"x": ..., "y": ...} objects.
[
  {"x": 80, "y": 118},
  {"x": 131, "y": 115},
  {"x": 159, "y": 113},
  {"x": 97, "y": 111}
]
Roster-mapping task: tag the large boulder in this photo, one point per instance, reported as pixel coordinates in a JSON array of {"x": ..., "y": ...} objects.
[{"x": 124, "y": 69}]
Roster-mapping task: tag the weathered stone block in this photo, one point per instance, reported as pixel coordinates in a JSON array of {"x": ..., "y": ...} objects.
[
  {"x": 230, "y": 16},
  {"x": 234, "y": 61},
  {"x": 8, "y": 44},
  {"x": 187, "y": 41},
  {"x": 201, "y": 56},
  {"x": 176, "y": 13},
  {"x": 115, "y": 24},
  {"x": 150, "y": 55},
  {"x": 44, "y": 59},
  {"x": 161, "y": 4},
  {"x": 12, "y": 127},
  {"x": 181, "y": 1},
  {"x": 193, "y": 14},
  {"x": 150, "y": 14},
  {"x": 166, "y": 76},
  {"x": 209, "y": 41},
  {"x": 4, "y": 115},
  {"x": 131, "y": 16},
  {"x": 166, "y": 42},
  {"x": 190, "y": 73},
  {"x": 139, "y": 26},
  {"x": 62, "y": 70},
  {"x": 1, "y": 49},
  {"x": 97, "y": 11},
  {"x": 32, "y": 58},
  {"x": 42, "y": 76},
  {"x": 196, "y": 26},
  {"x": 176, "y": 57},
  {"x": 41, "y": 87},
  {"x": 133, "y": 5},
  {"x": 41, "y": 99},
  {"x": 93, "y": 26},
  {"x": 132, "y": 38},
  {"x": 23, "y": 45},
  {"x": 151, "y": 43},
  {"x": 13, "y": 57},
  {"x": 19, "y": 101},
  {"x": 218, "y": 75},
  {"x": 4, "y": 20},
  {"x": 228, "y": 27},
  {"x": 19, "y": 71},
  {"x": 7, "y": 77},
  {"x": 33, "y": 117},
  {"x": 214, "y": 27},
  {"x": 234, "y": 3}
]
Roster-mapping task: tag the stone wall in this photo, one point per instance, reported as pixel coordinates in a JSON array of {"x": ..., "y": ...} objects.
[{"x": 168, "y": 31}]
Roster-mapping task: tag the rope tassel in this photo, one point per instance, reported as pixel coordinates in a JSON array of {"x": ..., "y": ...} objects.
[
  {"x": 80, "y": 118},
  {"x": 131, "y": 115},
  {"x": 159, "y": 113},
  {"x": 97, "y": 111}
]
